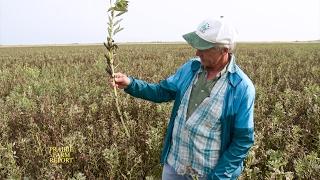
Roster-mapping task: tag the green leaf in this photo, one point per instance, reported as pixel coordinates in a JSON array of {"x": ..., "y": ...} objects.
[
  {"x": 117, "y": 30},
  {"x": 110, "y": 19},
  {"x": 109, "y": 71},
  {"x": 107, "y": 59},
  {"x": 105, "y": 45},
  {"x": 121, "y": 5},
  {"x": 121, "y": 13},
  {"x": 117, "y": 22},
  {"x": 115, "y": 47},
  {"x": 109, "y": 31}
]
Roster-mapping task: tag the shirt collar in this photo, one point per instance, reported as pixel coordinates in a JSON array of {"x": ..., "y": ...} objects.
[{"x": 232, "y": 64}]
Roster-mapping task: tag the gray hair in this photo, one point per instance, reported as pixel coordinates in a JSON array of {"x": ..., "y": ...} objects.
[{"x": 231, "y": 47}]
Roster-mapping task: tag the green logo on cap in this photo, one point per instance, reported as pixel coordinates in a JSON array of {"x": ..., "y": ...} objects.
[{"x": 204, "y": 27}]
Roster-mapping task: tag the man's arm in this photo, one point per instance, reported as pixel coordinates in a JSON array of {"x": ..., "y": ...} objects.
[
  {"x": 163, "y": 91},
  {"x": 150, "y": 91}
]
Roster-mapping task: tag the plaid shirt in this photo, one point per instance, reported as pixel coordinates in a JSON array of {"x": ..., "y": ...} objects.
[
  {"x": 196, "y": 141},
  {"x": 237, "y": 126}
]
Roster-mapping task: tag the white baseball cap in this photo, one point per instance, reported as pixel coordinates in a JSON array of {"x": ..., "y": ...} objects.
[{"x": 211, "y": 32}]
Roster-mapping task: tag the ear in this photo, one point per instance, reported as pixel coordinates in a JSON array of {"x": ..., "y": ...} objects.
[{"x": 225, "y": 50}]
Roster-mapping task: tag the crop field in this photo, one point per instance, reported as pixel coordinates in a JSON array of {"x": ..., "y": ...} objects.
[{"x": 58, "y": 120}]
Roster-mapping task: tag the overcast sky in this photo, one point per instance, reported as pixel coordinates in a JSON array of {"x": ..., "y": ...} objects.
[{"x": 85, "y": 21}]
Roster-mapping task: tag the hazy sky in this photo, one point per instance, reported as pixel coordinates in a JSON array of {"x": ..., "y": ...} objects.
[{"x": 85, "y": 21}]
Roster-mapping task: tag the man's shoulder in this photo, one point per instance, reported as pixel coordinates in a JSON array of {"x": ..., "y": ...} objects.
[
  {"x": 245, "y": 81},
  {"x": 191, "y": 64},
  {"x": 194, "y": 59}
]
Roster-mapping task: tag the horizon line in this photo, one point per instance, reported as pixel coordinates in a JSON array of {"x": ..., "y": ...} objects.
[{"x": 143, "y": 42}]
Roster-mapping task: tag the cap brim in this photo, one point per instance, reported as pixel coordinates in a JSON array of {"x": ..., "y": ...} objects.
[{"x": 196, "y": 42}]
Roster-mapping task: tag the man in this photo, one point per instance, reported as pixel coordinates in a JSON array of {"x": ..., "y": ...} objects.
[{"x": 211, "y": 126}]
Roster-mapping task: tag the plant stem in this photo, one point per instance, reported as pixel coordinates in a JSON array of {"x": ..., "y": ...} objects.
[{"x": 111, "y": 56}]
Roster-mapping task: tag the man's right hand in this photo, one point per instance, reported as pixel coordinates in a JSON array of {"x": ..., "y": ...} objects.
[{"x": 121, "y": 81}]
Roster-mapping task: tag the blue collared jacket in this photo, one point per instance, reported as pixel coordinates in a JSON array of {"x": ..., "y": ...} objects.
[{"x": 237, "y": 134}]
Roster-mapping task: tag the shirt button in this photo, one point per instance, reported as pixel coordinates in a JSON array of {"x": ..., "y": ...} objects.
[{"x": 202, "y": 90}]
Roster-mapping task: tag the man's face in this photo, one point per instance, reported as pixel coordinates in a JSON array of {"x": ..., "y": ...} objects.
[{"x": 210, "y": 58}]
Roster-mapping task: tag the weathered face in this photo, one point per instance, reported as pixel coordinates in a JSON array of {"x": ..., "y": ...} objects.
[{"x": 211, "y": 58}]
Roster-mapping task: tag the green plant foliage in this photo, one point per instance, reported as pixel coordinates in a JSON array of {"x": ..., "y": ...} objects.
[
  {"x": 8, "y": 166},
  {"x": 111, "y": 47},
  {"x": 308, "y": 167},
  {"x": 59, "y": 97}
]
